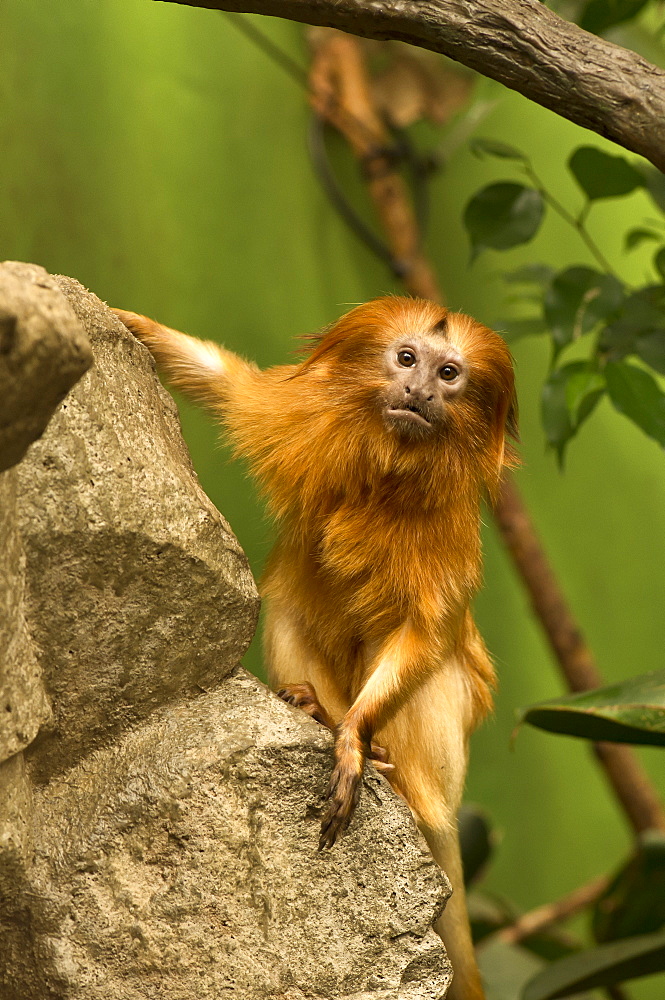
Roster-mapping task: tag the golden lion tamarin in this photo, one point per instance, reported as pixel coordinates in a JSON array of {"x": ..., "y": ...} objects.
[{"x": 374, "y": 453}]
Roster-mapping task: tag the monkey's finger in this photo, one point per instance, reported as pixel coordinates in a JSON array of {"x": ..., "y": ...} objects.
[
  {"x": 303, "y": 696},
  {"x": 343, "y": 794},
  {"x": 379, "y": 758},
  {"x": 382, "y": 766},
  {"x": 333, "y": 825}
]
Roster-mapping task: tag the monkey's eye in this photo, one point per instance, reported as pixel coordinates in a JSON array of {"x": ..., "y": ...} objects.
[
  {"x": 449, "y": 373},
  {"x": 407, "y": 359}
]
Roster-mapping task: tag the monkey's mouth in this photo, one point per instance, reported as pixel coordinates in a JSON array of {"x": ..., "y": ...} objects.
[{"x": 410, "y": 414}]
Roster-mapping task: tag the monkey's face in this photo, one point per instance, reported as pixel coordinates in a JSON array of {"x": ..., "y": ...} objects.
[{"x": 424, "y": 375}]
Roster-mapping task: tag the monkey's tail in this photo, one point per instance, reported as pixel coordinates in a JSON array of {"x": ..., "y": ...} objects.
[
  {"x": 453, "y": 924},
  {"x": 201, "y": 369}
]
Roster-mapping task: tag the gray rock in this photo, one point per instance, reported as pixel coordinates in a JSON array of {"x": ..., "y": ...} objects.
[
  {"x": 187, "y": 859},
  {"x": 24, "y": 706},
  {"x": 43, "y": 352},
  {"x": 137, "y": 591}
]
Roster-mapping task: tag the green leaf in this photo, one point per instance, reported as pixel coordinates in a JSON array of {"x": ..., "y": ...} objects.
[
  {"x": 551, "y": 944},
  {"x": 476, "y": 841},
  {"x": 506, "y": 968},
  {"x": 576, "y": 300},
  {"x": 654, "y": 182},
  {"x": 601, "y": 175},
  {"x": 638, "y": 329},
  {"x": 584, "y": 387},
  {"x": 659, "y": 262},
  {"x": 493, "y": 147},
  {"x": 502, "y": 216},
  {"x": 605, "y": 965},
  {"x": 632, "y": 711},
  {"x": 634, "y": 237},
  {"x": 650, "y": 347},
  {"x": 569, "y": 395},
  {"x": 634, "y": 902},
  {"x": 638, "y": 396},
  {"x": 599, "y": 15}
]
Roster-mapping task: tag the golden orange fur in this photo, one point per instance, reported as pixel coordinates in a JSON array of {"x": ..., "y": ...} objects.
[{"x": 368, "y": 589}]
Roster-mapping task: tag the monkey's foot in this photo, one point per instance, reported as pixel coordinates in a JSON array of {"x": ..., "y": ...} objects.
[
  {"x": 304, "y": 696},
  {"x": 379, "y": 758},
  {"x": 342, "y": 798}
]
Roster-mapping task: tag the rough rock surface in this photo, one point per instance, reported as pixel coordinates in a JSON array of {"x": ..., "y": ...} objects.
[
  {"x": 43, "y": 352},
  {"x": 158, "y": 837},
  {"x": 186, "y": 865},
  {"x": 138, "y": 592},
  {"x": 24, "y": 706}
]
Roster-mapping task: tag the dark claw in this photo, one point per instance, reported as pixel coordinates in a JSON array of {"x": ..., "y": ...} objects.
[{"x": 342, "y": 798}]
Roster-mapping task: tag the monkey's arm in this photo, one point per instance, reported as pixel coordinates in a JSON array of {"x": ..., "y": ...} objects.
[
  {"x": 403, "y": 661},
  {"x": 199, "y": 368}
]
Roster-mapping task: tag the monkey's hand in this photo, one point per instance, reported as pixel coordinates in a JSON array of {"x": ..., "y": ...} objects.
[
  {"x": 379, "y": 758},
  {"x": 342, "y": 798},
  {"x": 344, "y": 787},
  {"x": 304, "y": 696}
]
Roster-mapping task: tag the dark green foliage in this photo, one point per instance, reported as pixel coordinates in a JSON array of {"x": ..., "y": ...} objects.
[
  {"x": 634, "y": 237},
  {"x": 599, "y": 15},
  {"x": 582, "y": 301},
  {"x": 569, "y": 395},
  {"x": 606, "y": 965},
  {"x": 601, "y": 175},
  {"x": 634, "y": 902},
  {"x": 576, "y": 300},
  {"x": 630, "y": 712},
  {"x": 501, "y": 216},
  {"x": 476, "y": 841},
  {"x": 637, "y": 395}
]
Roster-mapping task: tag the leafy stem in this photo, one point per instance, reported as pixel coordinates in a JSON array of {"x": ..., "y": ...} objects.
[{"x": 577, "y": 223}]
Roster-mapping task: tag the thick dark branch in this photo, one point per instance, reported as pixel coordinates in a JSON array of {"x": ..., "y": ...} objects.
[{"x": 521, "y": 43}]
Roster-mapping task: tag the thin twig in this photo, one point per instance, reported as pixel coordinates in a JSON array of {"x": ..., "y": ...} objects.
[
  {"x": 340, "y": 93},
  {"x": 577, "y": 223},
  {"x": 543, "y": 917}
]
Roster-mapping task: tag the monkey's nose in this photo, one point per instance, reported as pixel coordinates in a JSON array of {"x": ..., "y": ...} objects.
[{"x": 418, "y": 394}]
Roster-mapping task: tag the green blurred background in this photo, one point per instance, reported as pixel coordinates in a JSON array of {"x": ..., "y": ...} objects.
[{"x": 152, "y": 152}]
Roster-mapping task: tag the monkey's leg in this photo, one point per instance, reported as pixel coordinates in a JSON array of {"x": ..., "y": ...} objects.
[
  {"x": 453, "y": 925},
  {"x": 295, "y": 667},
  {"x": 304, "y": 696},
  {"x": 396, "y": 668},
  {"x": 293, "y": 661},
  {"x": 427, "y": 739}
]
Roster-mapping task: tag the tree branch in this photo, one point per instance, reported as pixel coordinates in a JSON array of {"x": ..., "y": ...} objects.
[
  {"x": 543, "y": 917},
  {"x": 520, "y": 43},
  {"x": 624, "y": 772}
]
